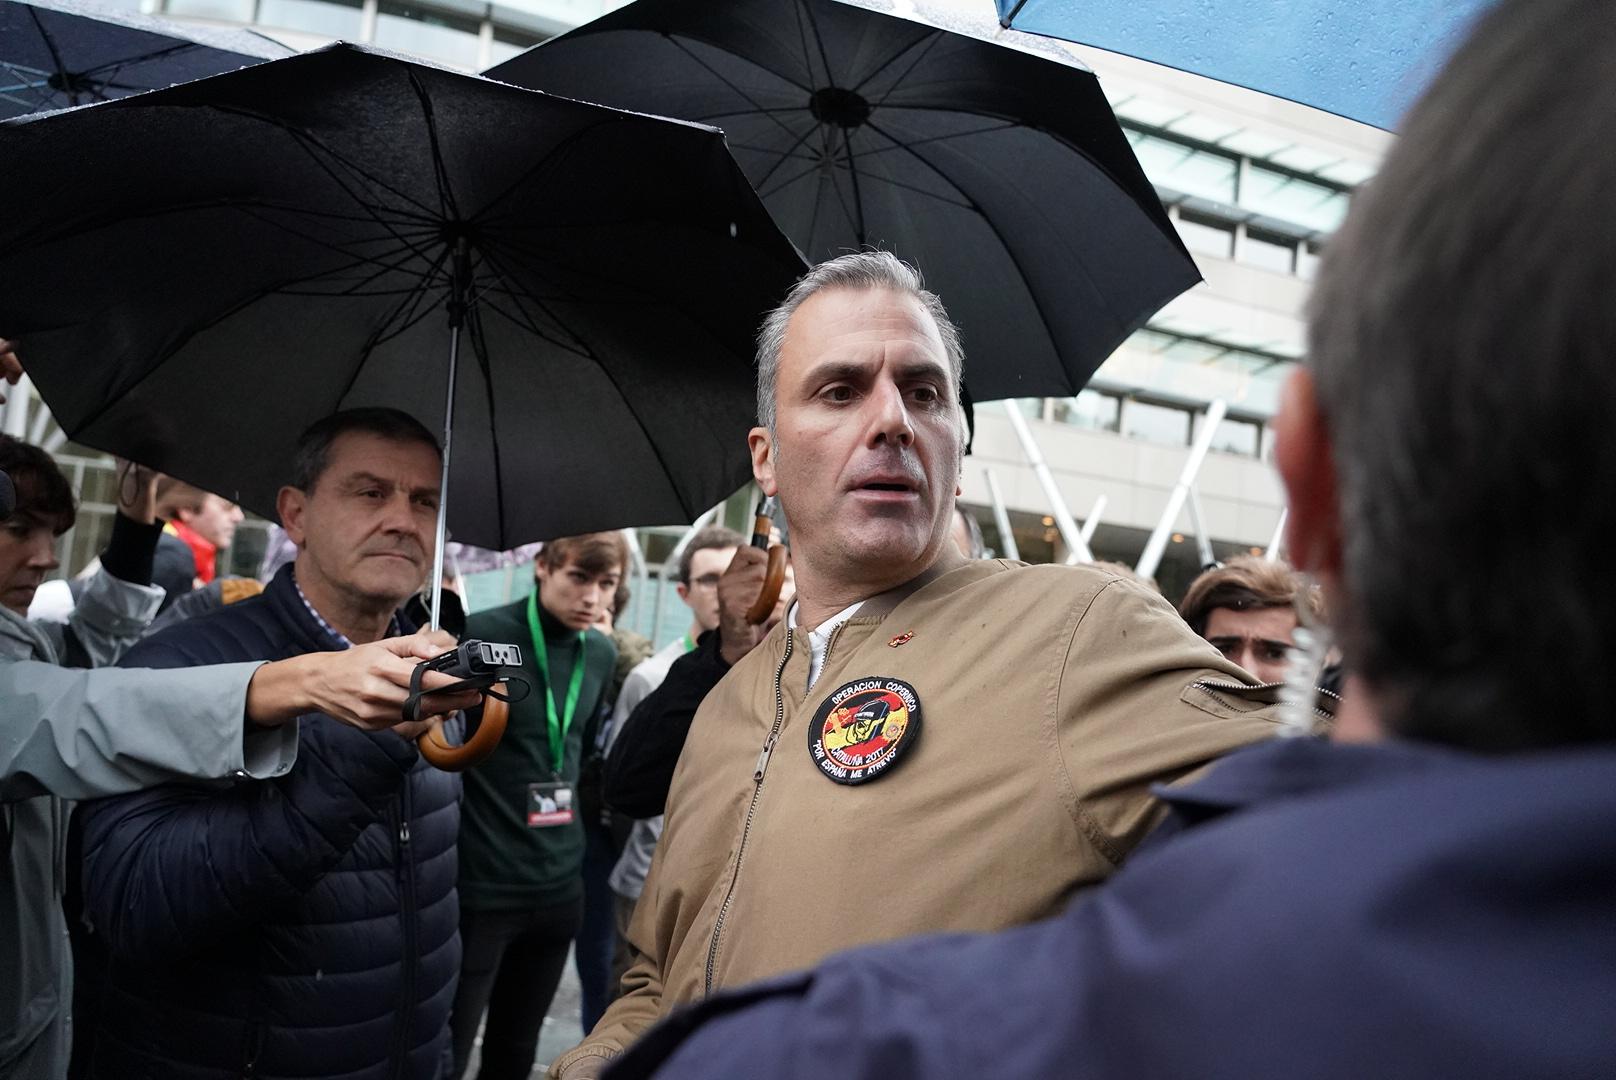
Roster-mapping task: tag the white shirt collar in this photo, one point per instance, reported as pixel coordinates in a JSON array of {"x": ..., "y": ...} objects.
[{"x": 819, "y": 637}]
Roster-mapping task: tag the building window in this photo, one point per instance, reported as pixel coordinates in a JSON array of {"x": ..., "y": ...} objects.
[
  {"x": 333, "y": 18},
  {"x": 1155, "y": 423},
  {"x": 440, "y": 35},
  {"x": 1205, "y": 236},
  {"x": 1171, "y": 164},
  {"x": 1268, "y": 251},
  {"x": 1290, "y": 198},
  {"x": 1091, "y": 410}
]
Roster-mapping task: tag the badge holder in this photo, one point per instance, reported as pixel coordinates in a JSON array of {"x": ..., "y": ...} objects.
[
  {"x": 479, "y": 665},
  {"x": 549, "y": 805}
]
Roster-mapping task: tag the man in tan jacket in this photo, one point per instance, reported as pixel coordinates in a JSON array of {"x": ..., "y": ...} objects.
[{"x": 925, "y": 743}]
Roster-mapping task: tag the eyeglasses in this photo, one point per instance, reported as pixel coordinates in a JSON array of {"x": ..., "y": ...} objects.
[{"x": 706, "y": 581}]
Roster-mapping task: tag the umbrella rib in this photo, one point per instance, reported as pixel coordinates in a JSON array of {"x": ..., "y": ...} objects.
[
  {"x": 526, "y": 323},
  {"x": 409, "y": 311},
  {"x": 50, "y": 42},
  {"x": 1007, "y": 125},
  {"x": 922, "y": 191},
  {"x": 824, "y": 58},
  {"x": 117, "y": 395},
  {"x": 479, "y": 349},
  {"x": 853, "y": 177},
  {"x": 708, "y": 118},
  {"x": 490, "y": 211},
  {"x": 579, "y": 345},
  {"x": 768, "y": 173},
  {"x": 777, "y": 188},
  {"x": 376, "y": 339},
  {"x": 841, "y": 199},
  {"x": 93, "y": 223},
  {"x": 125, "y": 61},
  {"x": 359, "y": 257},
  {"x": 772, "y": 152},
  {"x": 309, "y": 144},
  {"x": 931, "y": 41},
  {"x": 624, "y": 288},
  {"x": 902, "y": 147},
  {"x": 446, "y": 197},
  {"x": 742, "y": 94}
]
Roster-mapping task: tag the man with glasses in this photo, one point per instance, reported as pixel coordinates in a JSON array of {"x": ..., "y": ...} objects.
[{"x": 700, "y": 567}]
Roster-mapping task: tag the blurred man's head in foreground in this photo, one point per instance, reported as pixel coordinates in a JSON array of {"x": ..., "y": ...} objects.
[{"x": 1448, "y": 451}]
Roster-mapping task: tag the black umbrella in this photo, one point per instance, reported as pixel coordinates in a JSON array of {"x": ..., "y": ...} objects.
[
  {"x": 199, "y": 272},
  {"x": 988, "y": 158},
  {"x": 57, "y": 53}
]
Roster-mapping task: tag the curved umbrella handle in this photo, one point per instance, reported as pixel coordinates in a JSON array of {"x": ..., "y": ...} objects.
[
  {"x": 475, "y": 749},
  {"x": 774, "y": 578}
]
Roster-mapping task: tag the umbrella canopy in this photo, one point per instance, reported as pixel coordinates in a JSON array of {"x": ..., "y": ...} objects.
[
  {"x": 1366, "y": 60},
  {"x": 999, "y": 171},
  {"x": 57, "y": 53},
  {"x": 199, "y": 272}
]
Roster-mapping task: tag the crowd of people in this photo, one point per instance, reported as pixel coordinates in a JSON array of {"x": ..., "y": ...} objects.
[{"x": 937, "y": 814}]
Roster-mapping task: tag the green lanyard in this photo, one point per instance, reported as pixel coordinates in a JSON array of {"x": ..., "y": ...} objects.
[
  {"x": 688, "y": 644},
  {"x": 558, "y": 727}
]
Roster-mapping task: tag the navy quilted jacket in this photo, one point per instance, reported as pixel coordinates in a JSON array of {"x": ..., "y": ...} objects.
[{"x": 304, "y": 926}]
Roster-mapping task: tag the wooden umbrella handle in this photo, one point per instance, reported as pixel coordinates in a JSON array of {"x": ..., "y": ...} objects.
[
  {"x": 480, "y": 745},
  {"x": 774, "y": 578}
]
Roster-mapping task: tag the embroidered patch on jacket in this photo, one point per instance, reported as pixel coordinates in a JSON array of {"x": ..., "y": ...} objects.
[{"x": 863, "y": 727}]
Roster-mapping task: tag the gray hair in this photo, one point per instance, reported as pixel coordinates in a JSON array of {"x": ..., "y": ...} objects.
[
  {"x": 873, "y": 269},
  {"x": 1462, "y": 338},
  {"x": 310, "y": 458}
]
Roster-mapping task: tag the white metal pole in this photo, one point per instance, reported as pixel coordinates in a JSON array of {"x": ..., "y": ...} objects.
[
  {"x": 1277, "y": 545},
  {"x": 1150, "y": 560},
  {"x": 1001, "y": 518},
  {"x": 459, "y": 286},
  {"x": 15, "y": 410},
  {"x": 1203, "y": 541},
  {"x": 1092, "y": 522},
  {"x": 1063, "y": 517},
  {"x": 436, "y": 582},
  {"x": 640, "y": 571}
]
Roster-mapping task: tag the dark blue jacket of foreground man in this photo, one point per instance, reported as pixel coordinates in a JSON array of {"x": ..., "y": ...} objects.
[
  {"x": 304, "y": 926},
  {"x": 1331, "y": 912}
]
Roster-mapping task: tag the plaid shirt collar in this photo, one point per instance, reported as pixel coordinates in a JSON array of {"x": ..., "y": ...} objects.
[{"x": 394, "y": 627}]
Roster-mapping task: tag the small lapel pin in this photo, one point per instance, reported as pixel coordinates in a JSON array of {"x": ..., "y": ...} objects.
[{"x": 901, "y": 638}]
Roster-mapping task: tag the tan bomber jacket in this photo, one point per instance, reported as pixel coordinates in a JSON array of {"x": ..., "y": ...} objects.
[{"x": 1048, "y": 698}]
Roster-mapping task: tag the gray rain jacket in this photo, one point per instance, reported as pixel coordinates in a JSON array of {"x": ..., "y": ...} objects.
[{"x": 74, "y": 734}]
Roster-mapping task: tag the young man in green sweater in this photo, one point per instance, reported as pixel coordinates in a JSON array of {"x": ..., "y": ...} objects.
[{"x": 521, "y": 834}]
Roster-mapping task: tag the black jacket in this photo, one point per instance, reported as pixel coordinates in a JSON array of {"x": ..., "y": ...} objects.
[
  {"x": 296, "y": 927},
  {"x": 639, "y": 769}
]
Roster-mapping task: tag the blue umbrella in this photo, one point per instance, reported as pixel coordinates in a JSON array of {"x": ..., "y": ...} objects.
[{"x": 1366, "y": 60}]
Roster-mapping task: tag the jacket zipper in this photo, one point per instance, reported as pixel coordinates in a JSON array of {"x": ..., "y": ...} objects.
[
  {"x": 406, "y": 891},
  {"x": 1213, "y": 688},
  {"x": 757, "y": 789}
]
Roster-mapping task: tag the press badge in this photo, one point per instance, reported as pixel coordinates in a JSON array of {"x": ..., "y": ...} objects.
[{"x": 548, "y": 805}]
